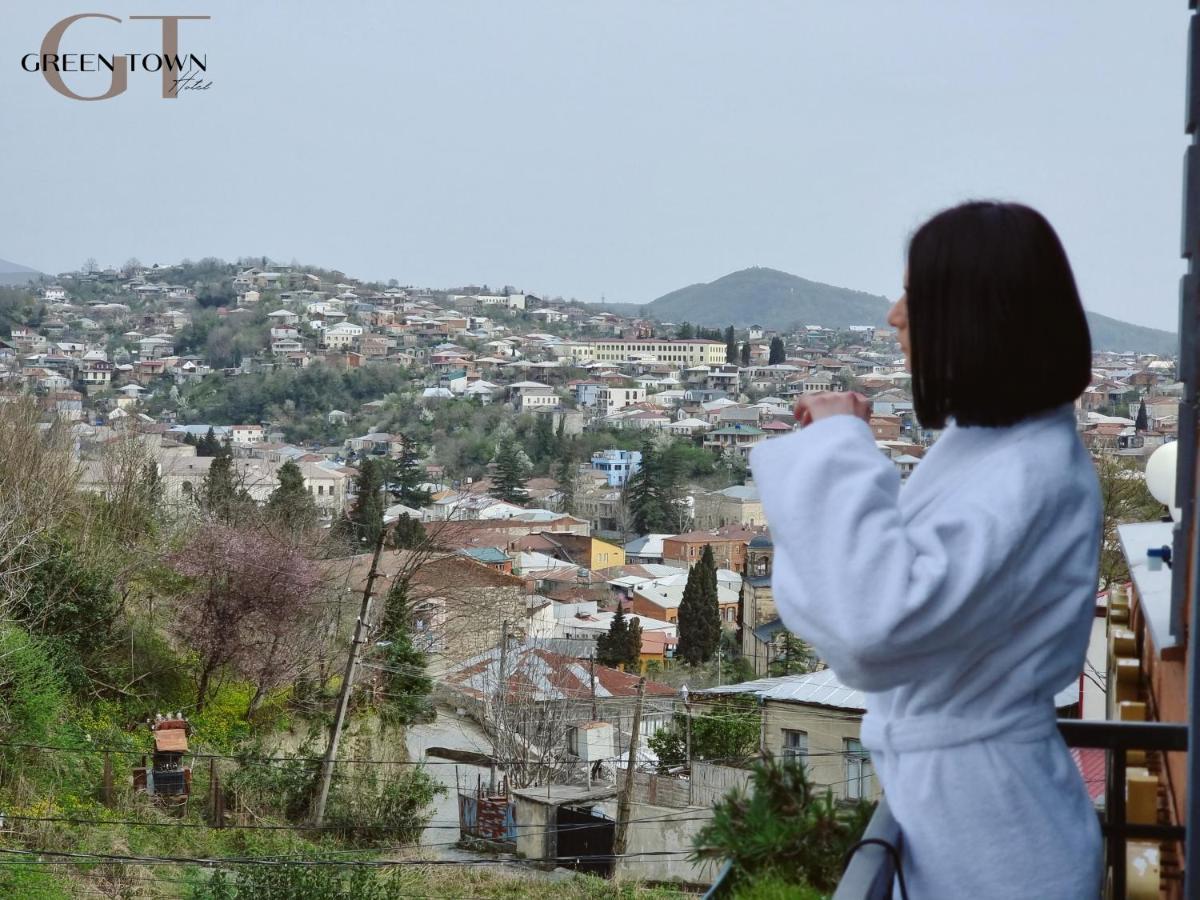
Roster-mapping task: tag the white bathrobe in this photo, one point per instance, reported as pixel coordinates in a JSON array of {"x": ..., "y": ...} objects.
[{"x": 960, "y": 605}]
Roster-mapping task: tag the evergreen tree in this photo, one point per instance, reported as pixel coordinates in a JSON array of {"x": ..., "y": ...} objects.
[
  {"x": 611, "y": 647},
  {"x": 208, "y": 445},
  {"x": 221, "y": 496},
  {"x": 621, "y": 646},
  {"x": 731, "y": 346},
  {"x": 290, "y": 504},
  {"x": 407, "y": 685},
  {"x": 1143, "y": 421},
  {"x": 778, "y": 354},
  {"x": 407, "y": 533},
  {"x": 409, "y": 475},
  {"x": 654, "y": 492},
  {"x": 745, "y": 355},
  {"x": 543, "y": 440},
  {"x": 567, "y": 477},
  {"x": 633, "y": 645},
  {"x": 686, "y": 332},
  {"x": 363, "y": 523},
  {"x": 643, "y": 494},
  {"x": 512, "y": 472},
  {"x": 699, "y": 619}
]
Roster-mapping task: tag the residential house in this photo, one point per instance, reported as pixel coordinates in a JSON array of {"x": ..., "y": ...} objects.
[
  {"x": 735, "y": 440},
  {"x": 813, "y": 719},
  {"x": 617, "y": 466},
  {"x": 728, "y": 543},
  {"x": 736, "y": 505}
]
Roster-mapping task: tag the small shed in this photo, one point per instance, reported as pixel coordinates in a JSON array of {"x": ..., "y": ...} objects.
[{"x": 563, "y": 825}]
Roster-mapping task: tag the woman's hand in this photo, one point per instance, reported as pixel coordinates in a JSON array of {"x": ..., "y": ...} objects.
[{"x": 822, "y": 405}]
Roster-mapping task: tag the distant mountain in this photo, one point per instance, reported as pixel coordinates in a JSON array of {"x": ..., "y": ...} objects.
[
  {"x": 769, "y": 298},
  {"x": 11, "y": 273},
  {"x": 1113, "y": 334},
  {"x": 781, "y": 301}
]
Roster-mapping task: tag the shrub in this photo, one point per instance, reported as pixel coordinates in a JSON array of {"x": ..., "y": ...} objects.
[
  {"x": 784, "y": 828},
  {"x": 33, "y": 695}
]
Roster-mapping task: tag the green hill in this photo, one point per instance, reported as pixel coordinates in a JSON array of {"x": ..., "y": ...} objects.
[
  {"x": 769, "y": 298},
  {"x": 781, "y": 301},
  {"x": 13, "y": 274}
]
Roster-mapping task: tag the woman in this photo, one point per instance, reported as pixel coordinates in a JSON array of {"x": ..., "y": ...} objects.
[{"x": 963, "y": 602}]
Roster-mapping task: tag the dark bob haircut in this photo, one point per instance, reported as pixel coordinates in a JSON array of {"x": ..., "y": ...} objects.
[{"x": 997, "y": 332}]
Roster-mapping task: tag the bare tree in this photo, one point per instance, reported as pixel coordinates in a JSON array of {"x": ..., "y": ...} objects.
[
  {"x": 1126, "y": 499},
  {"x": 38, "y": 477},
  {"x": 250, "y": 608}
]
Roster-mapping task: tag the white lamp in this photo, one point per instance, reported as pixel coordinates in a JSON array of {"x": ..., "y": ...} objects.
[{"x": 1160, "y": 476}]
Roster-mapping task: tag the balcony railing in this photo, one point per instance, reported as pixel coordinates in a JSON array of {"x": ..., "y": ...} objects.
[{"x": 871, "y": 872}]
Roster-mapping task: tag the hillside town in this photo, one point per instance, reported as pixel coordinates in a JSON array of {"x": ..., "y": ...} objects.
[{"x": 555, "y": 495}]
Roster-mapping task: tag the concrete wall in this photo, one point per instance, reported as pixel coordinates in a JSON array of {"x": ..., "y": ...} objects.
[
  {"x": 668, "y": 829},
  {"x": 535, "y": 827}
]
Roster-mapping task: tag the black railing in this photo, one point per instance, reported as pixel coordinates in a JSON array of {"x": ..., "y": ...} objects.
[{"x": 871, "y": 871}]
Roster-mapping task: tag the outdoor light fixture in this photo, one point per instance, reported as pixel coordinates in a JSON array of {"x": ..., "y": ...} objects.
[{"x": 1160, "y": 476}]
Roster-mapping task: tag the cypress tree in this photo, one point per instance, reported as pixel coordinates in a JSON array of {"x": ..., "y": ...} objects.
[
  {"x": 543, "y": 439},
  {"x": 512, "y": 472},
  {"x": 1143, "y": 421},
  {"x": 407, "y": 683},
  {"x": 363, "y": 523},
  {"x": 612, "y": 648},
  {"x": 220, "y": 494},
  {"x": 778, "y": 354},
  {"x": 409, "y": 475},
  {"x": 565, "y": 475},
  {"x": 407, "y": 533},
  {"x": 208, "y": 445},
  {"x": 745, "y": 356},
  {"x": 290, "y": 504},
  {"x": 731, "y": 346},
  {"x": 633, "y": 645},
  {"x": 699, "y": 612}
]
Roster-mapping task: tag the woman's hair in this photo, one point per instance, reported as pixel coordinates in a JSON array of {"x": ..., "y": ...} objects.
[{"x": 997, "y": 332}]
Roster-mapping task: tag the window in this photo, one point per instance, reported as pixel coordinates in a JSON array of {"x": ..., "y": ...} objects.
[
  {"x": 795, "y": 745},
  {"x": 858, "y": 770}
]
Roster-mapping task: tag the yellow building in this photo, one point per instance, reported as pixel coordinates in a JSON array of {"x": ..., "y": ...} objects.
[
  {"x": 694, "y": 352},
  {"x": 604, "y": 555}
]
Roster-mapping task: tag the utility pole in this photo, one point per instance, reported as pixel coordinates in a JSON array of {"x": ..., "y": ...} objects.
[
  {"x": 687, "y": 709},
  {"x": 620, "y": 837},
  {"x": 592, "y": 684},
  {"x": 343, "y": 704}
]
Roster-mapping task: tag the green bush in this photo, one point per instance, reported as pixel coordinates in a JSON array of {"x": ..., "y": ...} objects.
[
  {"x": 783, "y": 829},
  {"x": 329, "y": 882},
  {"x": 33, "y": 695},
  {"x": 382, "y": 804}
]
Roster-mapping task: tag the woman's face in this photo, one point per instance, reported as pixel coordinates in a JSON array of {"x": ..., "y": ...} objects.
[{"x": 898, "y": 318}]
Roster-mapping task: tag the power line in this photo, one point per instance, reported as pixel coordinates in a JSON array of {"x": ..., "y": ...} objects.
[{"x": 277, "y": 862}]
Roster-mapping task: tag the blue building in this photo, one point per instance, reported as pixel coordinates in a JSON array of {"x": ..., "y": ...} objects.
[{"x": 618, "y": 466}]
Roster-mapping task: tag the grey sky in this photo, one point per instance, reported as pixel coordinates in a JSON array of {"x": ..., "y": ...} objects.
[{"x": 607, "y": 147}]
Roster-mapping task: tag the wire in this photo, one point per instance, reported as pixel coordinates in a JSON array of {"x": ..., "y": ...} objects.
[{"x": 276, "y": 862}]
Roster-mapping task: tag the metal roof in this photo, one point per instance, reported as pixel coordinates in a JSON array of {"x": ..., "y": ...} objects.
[{"x": 819, "y": 689}]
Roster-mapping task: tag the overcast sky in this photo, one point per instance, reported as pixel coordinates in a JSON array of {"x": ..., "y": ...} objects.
[{"x": 615, "y": 148}]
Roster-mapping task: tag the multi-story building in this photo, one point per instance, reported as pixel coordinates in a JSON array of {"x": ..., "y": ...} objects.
[
  {"x": 617, "y": 466},
  {"x": 694, "y": 352},
  {"x": 613, "y": 399}
]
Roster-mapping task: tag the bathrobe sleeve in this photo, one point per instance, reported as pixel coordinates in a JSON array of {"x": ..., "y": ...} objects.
[{"x": 876, "y": 597}]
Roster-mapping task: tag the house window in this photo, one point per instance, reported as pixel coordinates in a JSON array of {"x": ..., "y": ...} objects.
[
  {"x": 858, "y": 770},
  {"x": 795, "y": 745}
]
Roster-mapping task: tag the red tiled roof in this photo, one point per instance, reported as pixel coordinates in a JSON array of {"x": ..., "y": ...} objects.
[{"x": 1091, "y": 762}]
